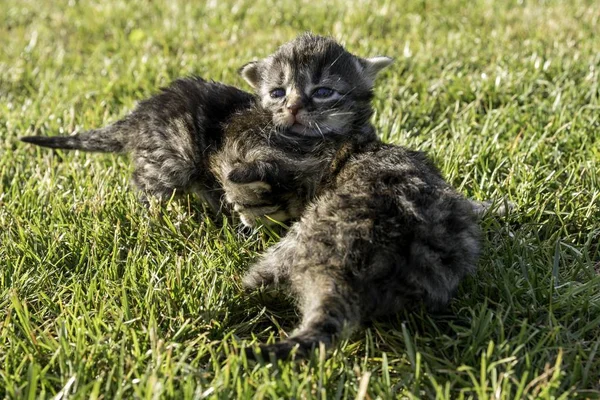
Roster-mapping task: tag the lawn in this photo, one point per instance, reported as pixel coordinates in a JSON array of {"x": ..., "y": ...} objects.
[{"x": 103, "y": 298}]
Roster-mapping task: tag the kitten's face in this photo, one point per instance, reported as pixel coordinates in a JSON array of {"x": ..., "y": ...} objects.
[{"x": 314, "y": 87}]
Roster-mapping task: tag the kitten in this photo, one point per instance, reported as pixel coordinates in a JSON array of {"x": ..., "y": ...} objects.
[
  {"x": 380, "y": 229},
  {"x": 313, "y": 95},
  {"x": 169, "y": 137},
  {"x": 313, "y": 88}
]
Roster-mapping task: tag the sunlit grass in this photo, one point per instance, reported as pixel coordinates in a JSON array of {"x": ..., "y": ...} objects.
[{"x": 102, "y": 298}]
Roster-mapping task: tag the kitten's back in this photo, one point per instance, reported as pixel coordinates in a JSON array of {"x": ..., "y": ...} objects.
[{"x": 204, "y": 104}]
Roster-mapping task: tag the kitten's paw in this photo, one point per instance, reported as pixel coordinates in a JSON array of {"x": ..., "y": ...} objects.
[
  {"x": 249, "y": 197},
  {"x": 247, "y": 174},
  {"x": 251, "y": 193},
  {"x": 256, "y": 278},
  {"x": 250, "y": 200},
  {"x": 255, "y": 200},
  {"x": 265, "y": 215},
  {"x": 500, "y": 207}
]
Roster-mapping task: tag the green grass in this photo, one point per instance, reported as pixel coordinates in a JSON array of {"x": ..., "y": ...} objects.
[{"x": 101, "y": 298}]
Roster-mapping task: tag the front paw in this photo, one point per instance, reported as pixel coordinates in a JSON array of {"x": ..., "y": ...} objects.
[
  {"x": 256, "y": 203},
  {"x": 256, "y": 278},
  {"x": 268, "y": 215},
  {"x": 251, "y": 193},
  {"x": 249, "y": 173},
  {"x": 259, "y": 194},
  {"x": 251, "y": 200},
  {"x": 245, "y": 187}
]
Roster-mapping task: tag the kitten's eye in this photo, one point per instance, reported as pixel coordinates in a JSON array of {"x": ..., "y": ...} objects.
[
  {"x": 277, "y": 93},
  {"x": 323, "y": 93}
]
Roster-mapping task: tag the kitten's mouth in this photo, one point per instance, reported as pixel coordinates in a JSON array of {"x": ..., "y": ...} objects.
[
  {"x": 304, "y": 130},
  {"x": 298, "y": 128}
]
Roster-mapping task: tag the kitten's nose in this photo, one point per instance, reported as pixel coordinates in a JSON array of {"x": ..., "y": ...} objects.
[
  {"x": 294, "y": 101},
  {"x": 294, "y": 107}
]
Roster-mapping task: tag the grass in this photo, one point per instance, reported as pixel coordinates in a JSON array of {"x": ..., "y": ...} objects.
[{"x": 101, "y": 298}]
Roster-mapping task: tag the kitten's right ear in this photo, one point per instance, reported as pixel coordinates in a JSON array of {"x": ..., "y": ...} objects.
[
  {"x": 250, "y": 73},
  {"x": 375, "y": 64}
]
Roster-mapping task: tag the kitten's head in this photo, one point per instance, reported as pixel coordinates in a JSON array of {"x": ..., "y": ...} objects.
[{"x": 314, "y": 87}]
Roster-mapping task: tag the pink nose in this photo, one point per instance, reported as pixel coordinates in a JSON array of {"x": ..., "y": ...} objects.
[{"x": 293, "y": 108}]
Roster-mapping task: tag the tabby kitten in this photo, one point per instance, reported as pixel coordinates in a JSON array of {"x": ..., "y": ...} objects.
[
  {"x": 314, "y": 95},
  {"x": 169, "y": 137},
  {"x": 379, "y": 229}
]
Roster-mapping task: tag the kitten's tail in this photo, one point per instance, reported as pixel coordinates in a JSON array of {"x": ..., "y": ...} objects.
[{"x": 110, "y": 139}]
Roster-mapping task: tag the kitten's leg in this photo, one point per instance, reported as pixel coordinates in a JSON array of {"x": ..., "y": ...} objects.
[
  {"x": 499, "y": 208},
  {"x": 320, "y": 276},
  {"x": 329, "y": 310},
  {"x": 162, "y": 171},
  {"x": 272, "y": 268}
]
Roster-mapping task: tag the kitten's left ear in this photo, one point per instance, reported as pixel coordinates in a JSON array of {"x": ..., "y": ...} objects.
[
  {"x": 375, "y": 64},
  {"x": 251, "y": 74}
]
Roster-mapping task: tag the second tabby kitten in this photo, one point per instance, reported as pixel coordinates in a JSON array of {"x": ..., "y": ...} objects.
[{"x": 315, "y": 100}]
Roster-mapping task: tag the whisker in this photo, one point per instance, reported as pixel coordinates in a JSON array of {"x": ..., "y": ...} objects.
[
  {"x": 334, "y": 61},
  {"x": 342, "y": 113},
  {"x": 319, "y": 129},
  {"x": 343, "y": 96}
]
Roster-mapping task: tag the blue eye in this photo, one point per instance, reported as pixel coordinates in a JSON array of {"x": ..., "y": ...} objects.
[
  {"x": 323, "y": 93},
  {"x": 277, "y": 93}
]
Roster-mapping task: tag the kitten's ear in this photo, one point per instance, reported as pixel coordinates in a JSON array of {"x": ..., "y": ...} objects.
[
  {"x": 251, "y": 74},
  {"x": 375, "y": 64}
]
